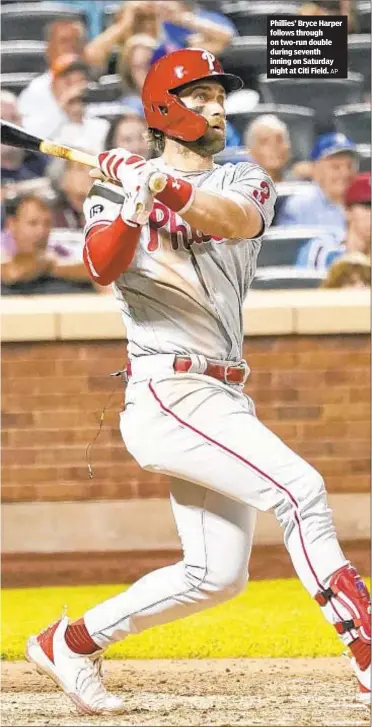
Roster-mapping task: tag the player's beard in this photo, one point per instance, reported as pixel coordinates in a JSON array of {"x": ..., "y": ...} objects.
[{"x": 212, "y": 142}]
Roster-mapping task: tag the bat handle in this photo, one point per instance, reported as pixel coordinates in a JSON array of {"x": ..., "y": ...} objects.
[
  {"x": 157, "y": 182},
  {"x": 64, "y": 152}
]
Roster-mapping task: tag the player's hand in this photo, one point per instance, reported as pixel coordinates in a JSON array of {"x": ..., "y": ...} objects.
[{"x": 133, "y": 174}]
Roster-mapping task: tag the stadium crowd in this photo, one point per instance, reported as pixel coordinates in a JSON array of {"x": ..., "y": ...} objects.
[{"x": 313, "y": 137}]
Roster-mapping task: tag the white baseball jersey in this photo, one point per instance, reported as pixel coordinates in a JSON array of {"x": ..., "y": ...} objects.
[{"x": 184, "y": 290}]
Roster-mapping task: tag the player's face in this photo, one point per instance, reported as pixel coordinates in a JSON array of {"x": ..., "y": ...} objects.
[{"x": 208, "y": 100}]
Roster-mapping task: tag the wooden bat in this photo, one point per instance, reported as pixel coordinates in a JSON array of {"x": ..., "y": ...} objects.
[{"x": 13, "y": 135}]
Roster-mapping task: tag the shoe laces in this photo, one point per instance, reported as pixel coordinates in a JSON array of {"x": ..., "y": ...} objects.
[{"x": 90, "y": 675}]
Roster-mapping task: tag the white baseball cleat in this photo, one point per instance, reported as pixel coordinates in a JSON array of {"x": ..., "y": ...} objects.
[
  {"x": 364, "y": 681},
  {"x": 78, "y": 675}
]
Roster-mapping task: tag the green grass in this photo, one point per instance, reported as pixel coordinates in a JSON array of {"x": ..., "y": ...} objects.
[{"x": 270, "y": 619}]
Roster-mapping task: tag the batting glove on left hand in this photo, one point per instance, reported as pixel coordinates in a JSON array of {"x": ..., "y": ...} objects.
[{"x": 133, "y": 174}]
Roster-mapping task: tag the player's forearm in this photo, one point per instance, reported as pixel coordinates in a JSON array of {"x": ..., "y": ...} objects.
[
  {"x": 220, "y": 216},
  {"x": 212, "y": 214},
  {"x": 109, "y": 250}
]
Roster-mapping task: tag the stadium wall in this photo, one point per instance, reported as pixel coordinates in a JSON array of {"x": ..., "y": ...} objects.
[{"x": 309, "y": 353}]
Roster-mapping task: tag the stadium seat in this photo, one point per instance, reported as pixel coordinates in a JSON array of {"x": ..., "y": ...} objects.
[
  {"x": 232, "y": 154},
  {"x": 363, "y": 14},
  {"x": 281, "y": 245},
  {"x": 23, "y": 56},
  {"x": 288, "y": 189},
  {"x": 359, "y": 58},
  {"x": 26, "y": 21},
  {"x": 323, "y": 95},
  {"x": 109, "y": 110},
  {"x": 16, "y": 82},
  {"x": 250, "y": 18},
  {"x": 246, "y": 57},
  {"x": 364, "y": 151},
  {"x": 108, "y": 88},
  {"x": 355, "y": 121},
  {"x": 110, "y": 12},
  {"x": 300, "y": 121},
  {"x": 282, "y": 278}
]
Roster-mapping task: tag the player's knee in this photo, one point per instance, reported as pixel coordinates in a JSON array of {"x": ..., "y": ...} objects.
[
  {"x": 308, "y": 495},
  {"x": 218, "y": 584},
  {"x": 313, "y": 485}
]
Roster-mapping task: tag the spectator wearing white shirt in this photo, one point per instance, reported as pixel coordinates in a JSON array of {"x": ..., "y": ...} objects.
[
  {"x": 63, "y": 37},
  {"x": 69, "y": 37},
  {"x": 63, "y": 118}
]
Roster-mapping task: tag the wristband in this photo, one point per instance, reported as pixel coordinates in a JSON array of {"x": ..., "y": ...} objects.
[{"x": 178, "y": 194}]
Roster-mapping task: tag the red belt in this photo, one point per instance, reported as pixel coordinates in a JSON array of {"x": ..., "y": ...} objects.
[{"x": 230, "y": 374}]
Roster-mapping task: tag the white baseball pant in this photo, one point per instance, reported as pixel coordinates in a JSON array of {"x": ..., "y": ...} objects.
[{"x": 224, "y": 465}]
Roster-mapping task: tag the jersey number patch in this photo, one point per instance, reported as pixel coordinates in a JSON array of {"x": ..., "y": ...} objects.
[{"x": 262, "y": 194}]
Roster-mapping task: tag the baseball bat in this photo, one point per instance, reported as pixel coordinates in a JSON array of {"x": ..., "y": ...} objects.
[{"x": 13, "y": 135}]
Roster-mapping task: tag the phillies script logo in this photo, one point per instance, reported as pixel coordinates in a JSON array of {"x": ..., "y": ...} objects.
[{"x": 180, "y": 234}]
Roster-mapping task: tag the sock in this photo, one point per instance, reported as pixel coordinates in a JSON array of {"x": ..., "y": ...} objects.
[{"x": 78, "y": 639}]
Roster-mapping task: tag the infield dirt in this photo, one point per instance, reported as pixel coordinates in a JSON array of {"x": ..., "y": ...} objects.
[{"x": 198, "y": 693}]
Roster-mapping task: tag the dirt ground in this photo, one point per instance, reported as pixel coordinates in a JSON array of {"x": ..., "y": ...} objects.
[{"x": 223, "y": 693}]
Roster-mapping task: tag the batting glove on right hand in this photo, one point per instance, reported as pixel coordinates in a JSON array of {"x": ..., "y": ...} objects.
[{"x": 133, "y": 174}]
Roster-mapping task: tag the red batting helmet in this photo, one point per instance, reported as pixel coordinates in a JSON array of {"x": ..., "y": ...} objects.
[{"x": 163, "y": 110}]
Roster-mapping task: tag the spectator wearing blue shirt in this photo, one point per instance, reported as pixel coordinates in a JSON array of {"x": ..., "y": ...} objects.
[
  {"x": 334, "y": 158},
  {"x": 323, "y": 251}
]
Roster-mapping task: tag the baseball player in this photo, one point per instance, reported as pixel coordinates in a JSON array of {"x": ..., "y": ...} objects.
[{"x": 181, "y": 261}]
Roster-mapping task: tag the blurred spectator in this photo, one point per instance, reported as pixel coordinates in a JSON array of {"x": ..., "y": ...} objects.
[
  {"x": 21, "y": 171},
  {"x": 13, "y": 164},
  {"x": 76, "y": 127},
  {"x": 332, "y": 7},
  {"x": 65, "y": 106},
  {"x": 63, "y": 37},
  {"x": 186, "y": 25},
  {"x": 349, "y": 271},
  {"x": 134, "y": 17},
  {"x": 322, "y": 252},
  {"x": 93, "y": 11},
  {"x": 129, "y": 133},
  {"x": 334, "y": 156},
  {"x": 28, "y": 264},
  {"x": 133, "y": 64},
  {"x": 268, "y": 143},
  {"x": 74, "y": 186}
]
